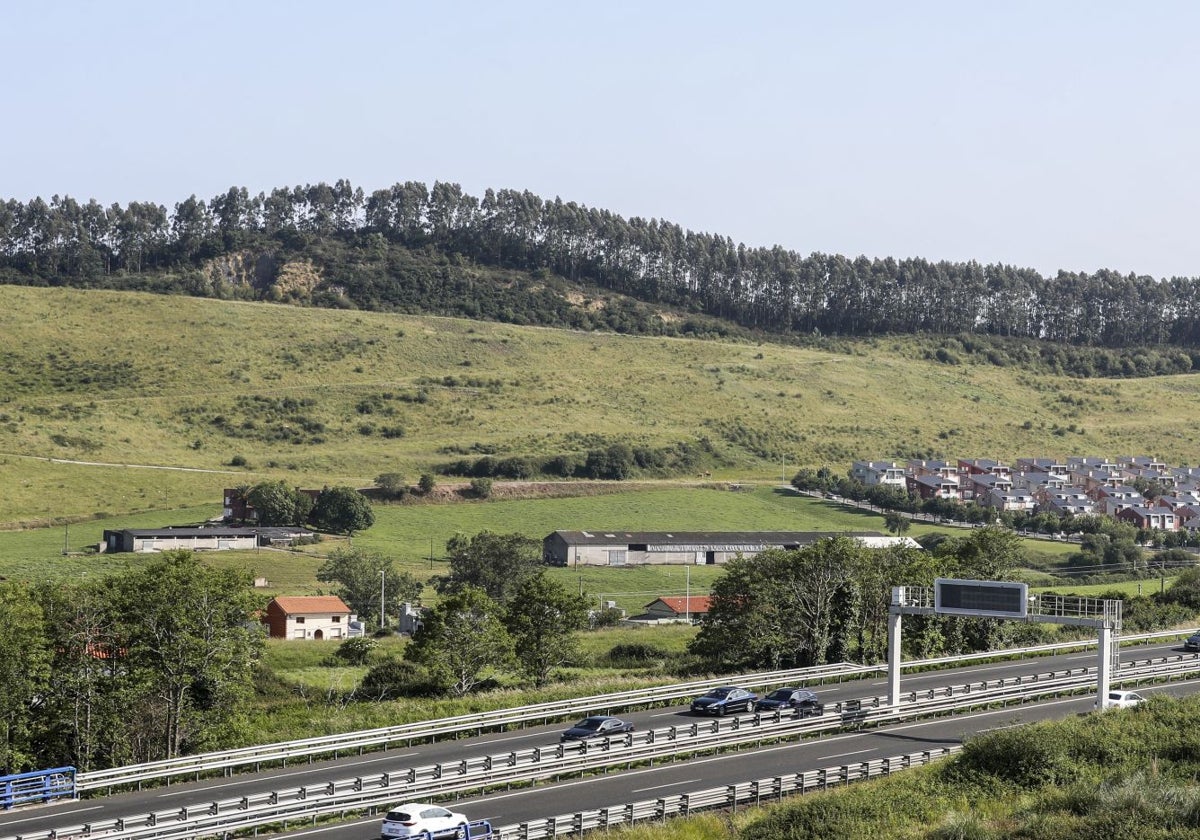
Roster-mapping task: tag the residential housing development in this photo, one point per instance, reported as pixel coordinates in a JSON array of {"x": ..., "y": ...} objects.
[{"x": 1169, "y": 499}]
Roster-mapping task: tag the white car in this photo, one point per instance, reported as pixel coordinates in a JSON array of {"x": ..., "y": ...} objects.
[
  {"x": 1122, "y": 699},
  {"x": 415, "y": 820}
]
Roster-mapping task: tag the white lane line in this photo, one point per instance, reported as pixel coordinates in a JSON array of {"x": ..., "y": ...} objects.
[
  {"x": 280, "y": 776},
  {"x": 56, "y": 814},
  {"x": 657, "y": 787},
  {"x": 843, "y": 755}
]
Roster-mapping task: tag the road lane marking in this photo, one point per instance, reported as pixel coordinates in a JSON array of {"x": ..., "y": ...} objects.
[
  {"x": 56, "y": 814},
  {"x": 657, "y": 787},
  {"x": 843, "y": 755}
]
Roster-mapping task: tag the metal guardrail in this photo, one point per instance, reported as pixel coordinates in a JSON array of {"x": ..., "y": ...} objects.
[
  {"x": 728, "y": 797},
  {"x": 333, "y": 745},
  {"x": 361, "y": 793}
]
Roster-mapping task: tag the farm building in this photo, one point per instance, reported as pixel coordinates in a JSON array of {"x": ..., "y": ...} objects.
[
  {"x": 641, "y": 548},
  {"x": 197, "y": 539}
]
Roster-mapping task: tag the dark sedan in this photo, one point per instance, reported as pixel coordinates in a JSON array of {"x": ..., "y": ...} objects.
[
  {"x": 800, "y": 700},
  {"x": 596, "y": 726},
  {"x": 728, "y": 698}
]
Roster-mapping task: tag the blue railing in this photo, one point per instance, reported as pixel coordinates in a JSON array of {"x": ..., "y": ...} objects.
[{"x": 37, "y": 786}]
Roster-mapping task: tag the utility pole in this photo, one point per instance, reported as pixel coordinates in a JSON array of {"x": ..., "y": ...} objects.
[
  {"x": 687, "y": 594},
  {"x": 382, "y": 615}
]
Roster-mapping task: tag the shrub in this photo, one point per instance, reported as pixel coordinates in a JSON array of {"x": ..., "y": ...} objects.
[
  {"x": 397, "y": 678},
  {"x": 481, "y": 487},
  {"x": 356, "y": 651}
]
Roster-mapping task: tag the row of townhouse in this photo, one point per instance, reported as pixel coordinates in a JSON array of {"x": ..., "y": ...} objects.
[{"x": 1075, "y": 486}]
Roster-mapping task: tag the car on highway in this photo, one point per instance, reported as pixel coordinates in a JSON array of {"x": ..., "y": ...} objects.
[
  {"x": 596, "y": 726},
  {"x": 727, "y": 698},
  {"x": 1193, "y": 642},
  {"x": 415, "y": 819},
  {"x": 1123, "y": 700},
  {"x": 800, "y": 700}
]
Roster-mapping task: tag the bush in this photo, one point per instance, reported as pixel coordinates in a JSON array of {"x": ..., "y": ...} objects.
[
  {"x": 481, "y": 487},
  {"x": 635, "y": 654},
  {"x": 397, "y": 678},
  {"x": 356, "y": 651}
]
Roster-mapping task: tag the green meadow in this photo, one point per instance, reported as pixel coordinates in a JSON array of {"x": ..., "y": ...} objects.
[{"x": 118, "y": 403}]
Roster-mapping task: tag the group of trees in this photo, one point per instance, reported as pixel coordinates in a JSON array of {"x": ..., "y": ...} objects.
[
  {"x": 614, "y": 461},
  {"x": 829, "y": 601},
  {"x": 368, "y": 583},
  {"x": 136, "y": 667},
  {"x": 337, "y": 510},
  {"x": 499, "y": 611},
  {"x": 656, "y": 261}
]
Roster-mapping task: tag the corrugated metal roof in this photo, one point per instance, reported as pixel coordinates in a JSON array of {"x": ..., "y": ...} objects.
[{"x": 659, "y": 538}]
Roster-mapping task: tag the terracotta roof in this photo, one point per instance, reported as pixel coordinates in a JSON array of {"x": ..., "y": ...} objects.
[
  {"x": 695, "y": 604},
  {"x": 299, "y": 604}
]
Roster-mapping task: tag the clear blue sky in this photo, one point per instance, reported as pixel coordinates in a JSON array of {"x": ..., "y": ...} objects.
[{"x": 1043, "y": 134}]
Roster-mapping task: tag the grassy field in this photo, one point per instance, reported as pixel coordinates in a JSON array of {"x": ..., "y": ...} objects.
[
  {"x": 119, "y": 403},
  {"x": 409, "y": 533}
]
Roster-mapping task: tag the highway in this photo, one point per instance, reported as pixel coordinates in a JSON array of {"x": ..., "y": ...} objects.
[{"x": 621, "y": 786}]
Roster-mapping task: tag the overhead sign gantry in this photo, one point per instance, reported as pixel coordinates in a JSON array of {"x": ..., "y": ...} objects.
[{"x": 1006, "y": 600}]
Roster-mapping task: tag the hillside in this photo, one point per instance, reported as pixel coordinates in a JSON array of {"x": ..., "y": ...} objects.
[
  {"x": 328, "y": 396},
  {"x": 518, "y": 258}
]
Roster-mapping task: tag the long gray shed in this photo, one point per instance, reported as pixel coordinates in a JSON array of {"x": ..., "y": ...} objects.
[{"x": 634, "y": 548}]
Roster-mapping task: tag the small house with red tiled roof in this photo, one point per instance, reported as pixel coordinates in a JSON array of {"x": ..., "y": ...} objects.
[
  {"x": 311, "y": 617},
  {"x": 678, "y": 607}
]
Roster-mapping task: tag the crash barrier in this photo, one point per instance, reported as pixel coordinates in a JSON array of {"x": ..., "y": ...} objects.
[
  {"x": 332, "y": 746},
  {"x": 728, "y": 797},
  {"x": 37, "y": 786},
  {"x": 470, "y": 775},
  {"x": 478, "y": 830}
]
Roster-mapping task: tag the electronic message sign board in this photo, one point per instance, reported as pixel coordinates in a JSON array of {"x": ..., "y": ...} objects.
[{"x": 986, "y": 598}]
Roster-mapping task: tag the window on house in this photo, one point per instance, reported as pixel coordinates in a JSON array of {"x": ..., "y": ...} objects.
[
  {"x": 299, "y": 634},
  {"x": 336, "y": 619},
  {"x": 299, "y": 619}
]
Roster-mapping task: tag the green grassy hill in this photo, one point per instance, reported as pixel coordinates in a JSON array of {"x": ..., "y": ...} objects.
[{"x": 119, "y": 402}]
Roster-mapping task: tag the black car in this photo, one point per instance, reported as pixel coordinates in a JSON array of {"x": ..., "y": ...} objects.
[
  {"x": 800, "y": 700},
  {"x": 728, "y": 698},
  {"x": 1193, "y": 642},
  {"x": 596, "y": 726}
]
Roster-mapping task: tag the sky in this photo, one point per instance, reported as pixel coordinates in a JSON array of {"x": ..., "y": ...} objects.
[{"x": 1047, "y": 135}]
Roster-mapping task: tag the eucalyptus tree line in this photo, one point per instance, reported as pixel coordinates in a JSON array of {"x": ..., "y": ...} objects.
[{"x": 657, "y": 261}]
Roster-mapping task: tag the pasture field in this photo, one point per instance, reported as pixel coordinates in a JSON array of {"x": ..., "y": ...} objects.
[{"x": 120, "y": 403}]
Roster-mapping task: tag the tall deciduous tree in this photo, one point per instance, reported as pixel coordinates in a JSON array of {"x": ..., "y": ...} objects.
[
  {"x": 342, "y": 510},
  {"x": 364, "y": 579},
  {"x": 540, "y": 618},
  {"x": 86, "y": 699},
  {"x": 462, "y": 640},
  {"x": 278, "y": 503},
  {"x": 24, "y": 673},
  {"x": 499, "y": 564},
  {"x": 187, "y": 638}
]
